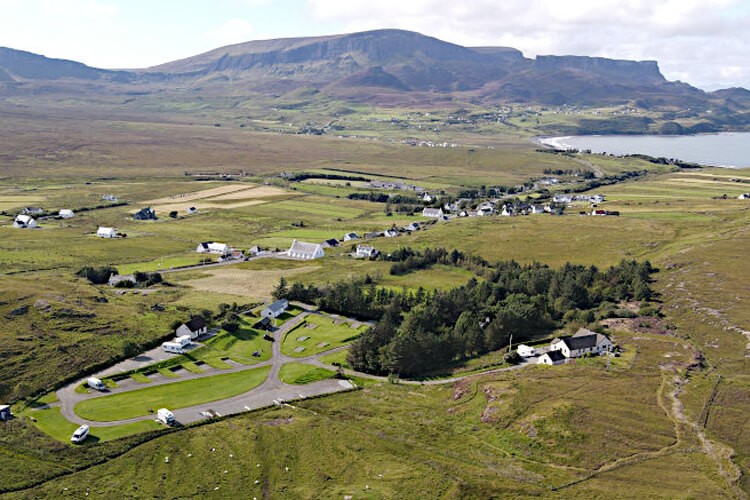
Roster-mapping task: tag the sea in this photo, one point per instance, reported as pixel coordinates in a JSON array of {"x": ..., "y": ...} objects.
[{"x": 729, "y": 149}]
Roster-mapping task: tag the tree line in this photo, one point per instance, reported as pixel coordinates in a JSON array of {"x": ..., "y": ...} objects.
[{"x": 419, "y": 331}]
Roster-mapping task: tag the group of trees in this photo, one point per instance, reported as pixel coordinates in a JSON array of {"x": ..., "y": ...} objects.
[
  {"x": 100, "y": 276},
  {"x": 406, "y": 259},
  {"x": 423, "y": 330}
]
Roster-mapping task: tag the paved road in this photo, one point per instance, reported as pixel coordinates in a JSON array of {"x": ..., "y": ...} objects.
[{"x": 271, "y": 391}]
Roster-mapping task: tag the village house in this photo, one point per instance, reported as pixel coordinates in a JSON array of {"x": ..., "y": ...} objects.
[
  {"x": 146, "y": 213},
  {"x": 24, "y": 222},
  {"x": 305, "y": 251},
  {"x": 583, "y": 342},
  {"x": 194, "y": 328},
  {"x": 427, "y": 198},
  {"x": 232, "y": 255},
  {"x": 508, "y": 211},
  {"x": 213, "y": 247},
  {"x": 414, "y": 226},
  {"x": 256, "y": 250},
  {"x": 32, "y": 211},
  {"x": 364, "y": 251},
  {"x": 110, "y": 197},
  {"x": 275, "y": 309},
  {"x": 106, "y": 232},
  {"x": 434, "y": 213},
  {"x": 65, "y": 213},
  {"x": 551, "y": 358},
  {"x": 330, "y": 243},
  {"x": 350, "y": 236},
  {"x": 562, "y": 198},
  {"x": 390, "y": 233}
]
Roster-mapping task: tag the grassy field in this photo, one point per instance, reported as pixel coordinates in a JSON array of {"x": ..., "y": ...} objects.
[
  {"x": 300, "y": 373},
  {"x": 317, "y": 334},
  {"x": 53, "y": 423},
  {"x": 176, "y": 395}
]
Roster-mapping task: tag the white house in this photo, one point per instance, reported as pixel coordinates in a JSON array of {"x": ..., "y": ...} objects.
[
  {"x": 305, "y": 251},
  {"x": 350, "y": 236},
  {"x": 106, "y": 232},
  {"x": 486, "y": 209},
  {"x": 66, "y": 213},
  {"x": 536, "y": 209},
  {"x": 434, "y": 213},
  {"x": 508, "y": 210},
  {"x": 744, "y": 196},
  {"x": 427, "y": 198},
  {"x": 551, "y": 358},
  {"x": 275, "y": 309},
  {"x": 414, "y": 226},
  {"x": 366, "y": 251},
  {"x": 213, "y": 248},
  {"x": 597, "y": 198},
  {"x": 193, "y": 328},
  {"x": 562, "y": 198},
  {"x": 526, "y": 351},
  {"x": 24, "y": 222},
  {"x": 583, "y": 342}
]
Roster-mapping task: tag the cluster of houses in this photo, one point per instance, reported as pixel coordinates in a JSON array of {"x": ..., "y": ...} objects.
[
  {"x": 570, "y": 198},
  {"x": 396, "y": 185},
  {"x": 583, "y": 343},
  {"x": 25, "y": 219},
  {"x": 488, "y": 208}
]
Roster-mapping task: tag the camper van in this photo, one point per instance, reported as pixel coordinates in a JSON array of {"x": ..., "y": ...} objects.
[
  {"x": 165, "y": 416},
  {"x": 172, "y": 347},
  {"x": 95, "y": 383},
  {"x": 183, "y": 340},
  {"x": 80, "y": 435}
]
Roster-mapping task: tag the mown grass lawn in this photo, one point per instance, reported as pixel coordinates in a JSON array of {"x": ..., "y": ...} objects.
[
  {"x": 51, "y": 421},
  {"x": 164, "y": 263},
  {"x": 242, "y": 343},
  {"x": 176, "y": 395},
  {"x": 325, "y": 335},
  {"x": 300, "y": 373}
]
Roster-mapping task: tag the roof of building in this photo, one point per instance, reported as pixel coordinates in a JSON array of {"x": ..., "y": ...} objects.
[
  {"x": 332, "y": 242},
  {"x": 304, "y": 248},
  {"x": 279, "y": 305},
  {"x": 555, "y": 355},
  {"x": 105, "y": 229},
  {"x": 432, "y": 211},
  {"x": 584, "y": 339},
  {"x": 196, "y": 323},
  {"x": 25, "y": 219}
]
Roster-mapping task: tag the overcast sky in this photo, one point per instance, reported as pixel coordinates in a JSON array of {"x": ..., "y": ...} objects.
[{"x": 703, "y": 42}]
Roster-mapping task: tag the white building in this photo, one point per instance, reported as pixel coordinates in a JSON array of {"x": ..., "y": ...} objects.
[
  {"x": 744, "y": 196},
  {"x": 526, "y": 351},
  {"x": 213, "y": 248},
  {"x": 551, "y": 358},
  {"x": 66, "y": 213},
  {"x": 305, "y": 251},
  {"x": 508, "y": 210},
  {"x": 562, "y": 198},
  {"x": 192, "y": 210},
  {"x": 24, "y": 222},
  {"x": 350, "y": 236},
  {"x": 536, "y": 209},
  {"x": 183, "y": 340},
  {"x": 390, "y": 233},
  {"x": 366, "y": 251},
  {"x": 434, "y": 213},
  {"x": 194, "y": 328},
  {"x": 275, "y": 309},
  {"x": 106, "y": 232},
  {"x": 583, "y": 342}
]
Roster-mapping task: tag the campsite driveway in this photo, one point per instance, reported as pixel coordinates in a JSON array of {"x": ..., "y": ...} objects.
[{"x": 271, "y": 391}]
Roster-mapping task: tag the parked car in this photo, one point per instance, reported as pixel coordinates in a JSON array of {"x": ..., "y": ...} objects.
[{"x": 80, "y": 435}]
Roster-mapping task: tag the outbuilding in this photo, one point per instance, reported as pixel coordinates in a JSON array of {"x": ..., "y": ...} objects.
[
  {"x": 551, "y": 358},
  {"x": 106, "y": 232},
  {"x": 5, "y": 413},
  {"x": 276, "y": 309},
  {"x": 526, "y": 351}
]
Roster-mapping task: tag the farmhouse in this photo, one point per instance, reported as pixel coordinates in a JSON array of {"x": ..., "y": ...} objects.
[
  {"x": 276, "y": 309},
  {"x": 583, "y": 342},
  {"x": 366, "y": 251},
  {"x": 106, "y": 232},
  {"x": 32, "y": 211},
  {"x": 350, "y": 236},
  {"x": 305, "y": 251},
  {"x": 24, "y": 222},
  {"x": 146, "y": 213},
  {"x": 434, "y": 213},
  {"x": 744, "y": 196},
  {"x": 551, "y": 358},
  {"x": 194, "y": 328},
  {"x": 66, "y": 213},
  {"x": 213, "y": 248},
  {"x": 330, "y": 243}
]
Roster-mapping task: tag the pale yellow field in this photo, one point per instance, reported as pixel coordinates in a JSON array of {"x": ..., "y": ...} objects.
[
  {"x": 705, "y": 182},
  {"x": 14, "y": 201},
  {"x": 253, "y": 193},
  {"x": 244, "y": 282},
  {"x": 198, "y": 195}
]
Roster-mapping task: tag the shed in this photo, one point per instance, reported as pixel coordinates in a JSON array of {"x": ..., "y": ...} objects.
[
  {"x": 66, "y": 213},
  {"x": 551, "y": 358}
]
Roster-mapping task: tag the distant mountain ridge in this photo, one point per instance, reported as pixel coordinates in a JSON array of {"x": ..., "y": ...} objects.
[{"x": 391, "y": 62}]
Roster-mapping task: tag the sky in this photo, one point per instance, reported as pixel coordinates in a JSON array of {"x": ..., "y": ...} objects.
[{"x": 703, "y": 42}]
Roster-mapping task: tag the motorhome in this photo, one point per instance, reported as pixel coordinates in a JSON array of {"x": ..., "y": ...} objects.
[
  {"x": 173, "y": 347},
  {"x": 165, "y": 416},
  {"x": 183, "y": 340},
  {"x": 95, "y": 383},
  {"x": 80, "y": 435}
]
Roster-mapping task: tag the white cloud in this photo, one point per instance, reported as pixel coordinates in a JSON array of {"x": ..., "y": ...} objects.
[
  {"x": 694, "y": 39},
  {"x": 233, "y": 31}
]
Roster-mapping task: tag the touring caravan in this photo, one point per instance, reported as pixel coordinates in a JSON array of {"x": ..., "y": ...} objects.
[{"x": 173, "y": 347}]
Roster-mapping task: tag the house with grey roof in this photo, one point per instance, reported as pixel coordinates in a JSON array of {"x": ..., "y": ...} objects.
[
  {"x": 434, "y": 213},
  {"x": 195, "y": 328},
  {"x": 583, "y": 342},
  {"x": 275, "y": 309},
  {"x": 551, "y": 358},
  {"x": 305, "y": 251}
]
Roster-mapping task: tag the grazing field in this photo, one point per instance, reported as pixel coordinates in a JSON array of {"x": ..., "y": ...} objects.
[
  {"x": 175, "y": 395},
  {"x": 300, "y": 373},
  {"x": 317, "y": 334},
  {"x": 253, "y": 284}
]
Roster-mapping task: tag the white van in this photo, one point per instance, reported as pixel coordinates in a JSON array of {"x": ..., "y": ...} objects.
[
  {"x": 95, "y": 383},
  {"x": 80, "y": 435},
  {"x": 165, "y": 416},
  {"x": 172, "y": 347}
]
